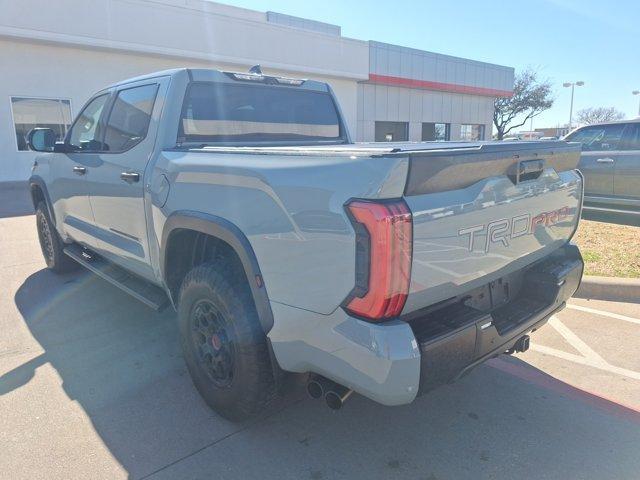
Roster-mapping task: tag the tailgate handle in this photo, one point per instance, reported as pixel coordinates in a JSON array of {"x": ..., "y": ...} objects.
[{"x": 526, "y": 170}]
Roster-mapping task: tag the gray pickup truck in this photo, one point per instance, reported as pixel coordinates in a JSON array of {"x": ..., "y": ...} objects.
[
  {"x": 610, "y": 164},
  {"x": 239, "y": 200}
]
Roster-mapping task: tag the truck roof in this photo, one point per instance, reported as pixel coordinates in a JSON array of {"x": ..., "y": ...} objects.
[
  {"x": 613, "y": 122},
  {"x": 214, "y": 75}
]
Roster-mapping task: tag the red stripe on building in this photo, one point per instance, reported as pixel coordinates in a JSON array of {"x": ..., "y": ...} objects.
[{"x": 443, "y": 87}]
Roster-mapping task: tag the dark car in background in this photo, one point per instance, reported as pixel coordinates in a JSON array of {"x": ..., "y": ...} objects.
[{"x": 610, "y": 163}]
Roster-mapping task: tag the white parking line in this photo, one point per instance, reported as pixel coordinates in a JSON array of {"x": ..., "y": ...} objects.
[
  {"x": 586, "y": 361},
  {"x": 588, "y": 356},
  {"x": 604, "y": 313},
  {"x": 573, "y": 340}
]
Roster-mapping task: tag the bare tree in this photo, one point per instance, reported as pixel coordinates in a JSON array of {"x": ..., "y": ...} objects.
[
  {"x": 589, "y": 116},
  {"x": 530, "y": 97}
]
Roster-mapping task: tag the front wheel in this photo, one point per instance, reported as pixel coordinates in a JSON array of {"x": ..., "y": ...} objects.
[
  {"x": 51, "y": 244},
  {"x": 223, "y": 343}
]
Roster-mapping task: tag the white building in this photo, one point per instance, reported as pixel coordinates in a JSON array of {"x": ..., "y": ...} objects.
[{"x": 54, "y": 55}]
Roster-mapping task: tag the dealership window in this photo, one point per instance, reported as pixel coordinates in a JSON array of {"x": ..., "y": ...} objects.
[
  {"x": 471, "y": 133},
  {"x": 436, "y": 132},
  {"x": 392, "y": 132},
  {"x": 29, "y": 113}
]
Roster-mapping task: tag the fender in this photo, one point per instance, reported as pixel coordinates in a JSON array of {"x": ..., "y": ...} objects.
[
  {"x": 228, "y": 232},
  {"x": 36, "y": 180}
]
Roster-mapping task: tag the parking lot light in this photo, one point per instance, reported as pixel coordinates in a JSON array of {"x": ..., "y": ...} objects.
[
  {"x": 637, "y": 92},
  {"x": 579, "y": 83}
]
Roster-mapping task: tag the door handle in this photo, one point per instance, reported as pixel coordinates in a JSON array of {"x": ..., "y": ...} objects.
[
  {"x": 605, "y": 160},
  {"x": 130, "y": 177},
  {"x": 78, "y": 170}
]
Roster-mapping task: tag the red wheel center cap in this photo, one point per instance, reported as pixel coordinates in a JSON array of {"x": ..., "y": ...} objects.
[{"x": 216, "y": 342}]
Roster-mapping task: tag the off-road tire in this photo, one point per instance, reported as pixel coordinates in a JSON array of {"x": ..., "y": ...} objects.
[
  {"x": 51, "y": 243},
  {"x": 223, "y": 290}
]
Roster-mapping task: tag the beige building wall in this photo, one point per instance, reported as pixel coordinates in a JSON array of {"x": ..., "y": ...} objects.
[{"x": 69, "y": 49}]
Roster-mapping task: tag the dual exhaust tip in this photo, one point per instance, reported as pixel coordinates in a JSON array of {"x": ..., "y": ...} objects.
[{"x": 335, "y": 395}]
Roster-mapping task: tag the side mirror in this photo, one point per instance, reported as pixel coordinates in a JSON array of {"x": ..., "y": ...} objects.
[{"x": 41, "y": 140}]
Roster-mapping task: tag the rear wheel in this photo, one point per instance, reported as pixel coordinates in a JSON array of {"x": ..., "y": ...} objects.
[
  {"x": 223, "y": 343},
  {"x": 51, "y": 243}
]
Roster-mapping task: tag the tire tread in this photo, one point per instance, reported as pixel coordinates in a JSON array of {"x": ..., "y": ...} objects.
[{"x": 257, "y": 389}]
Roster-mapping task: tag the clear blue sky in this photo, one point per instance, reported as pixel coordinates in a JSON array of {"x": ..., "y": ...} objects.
[{"x": 596, "y": 41}]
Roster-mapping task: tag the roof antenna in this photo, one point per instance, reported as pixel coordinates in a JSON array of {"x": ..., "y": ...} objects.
[{"x": 256, "y": 70}]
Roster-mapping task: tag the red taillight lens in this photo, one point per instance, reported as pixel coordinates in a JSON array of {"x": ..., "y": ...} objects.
[{"x": 384, "y": 240}]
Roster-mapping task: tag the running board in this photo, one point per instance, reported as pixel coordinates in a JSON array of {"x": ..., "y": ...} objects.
[{"x": 138, "y": 288}]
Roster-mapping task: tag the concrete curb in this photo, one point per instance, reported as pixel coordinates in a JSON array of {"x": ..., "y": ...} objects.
[{"x": 610, "y": 288}]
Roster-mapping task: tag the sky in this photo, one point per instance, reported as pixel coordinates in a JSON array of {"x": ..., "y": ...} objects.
[{"x": 595, "y": 41}]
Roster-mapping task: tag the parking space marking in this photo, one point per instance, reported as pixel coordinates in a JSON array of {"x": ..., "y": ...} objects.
[
  {"x": 604, "y": 366},
  {"x": 574, "y": 340},
  {"x": 604, "y": 313},
  {"x": 589, "y": 357}
]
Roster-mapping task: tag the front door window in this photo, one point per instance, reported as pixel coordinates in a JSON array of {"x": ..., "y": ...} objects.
[{"x": 85, "y": 133}]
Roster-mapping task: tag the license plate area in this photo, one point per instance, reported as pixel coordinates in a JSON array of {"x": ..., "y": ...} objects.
[
  {"x": 460, "y": 333},
  {"x": 504, "y": 304}
]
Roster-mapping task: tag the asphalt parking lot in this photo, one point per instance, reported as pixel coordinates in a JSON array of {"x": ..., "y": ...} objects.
[{"x": 92, "y": 385}]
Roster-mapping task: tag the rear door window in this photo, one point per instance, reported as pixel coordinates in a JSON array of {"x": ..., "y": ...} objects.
[
  {"x": 631, "y": 139},
  {"x": 229, "y": 113},
  {"x": 129, "y": 119},
  {"x": 599, "y": 137}
]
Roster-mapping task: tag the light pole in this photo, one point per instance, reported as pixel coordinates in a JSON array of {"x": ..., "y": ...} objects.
[
  {"x": 572, "y": 85},
  {"x": 637, "y": 92}
]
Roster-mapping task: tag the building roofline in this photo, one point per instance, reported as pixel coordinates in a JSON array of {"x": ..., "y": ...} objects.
[{"x": 400, "y": 48}]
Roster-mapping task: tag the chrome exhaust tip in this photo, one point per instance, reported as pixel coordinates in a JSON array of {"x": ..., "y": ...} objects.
[
  {"x": 317, "y": 386},
  {"x": 337, "y": 396}
]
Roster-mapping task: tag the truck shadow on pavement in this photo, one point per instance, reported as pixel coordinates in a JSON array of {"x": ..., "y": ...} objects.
[
  {"x": 121, "y": 362},
  {"x": 15, "y": 199}
]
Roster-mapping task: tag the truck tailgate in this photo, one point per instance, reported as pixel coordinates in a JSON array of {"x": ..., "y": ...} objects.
[{"x": 482, "y": 214}]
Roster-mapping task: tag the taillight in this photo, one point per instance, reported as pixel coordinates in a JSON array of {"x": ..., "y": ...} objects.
[{"x": 384, "y": 237}]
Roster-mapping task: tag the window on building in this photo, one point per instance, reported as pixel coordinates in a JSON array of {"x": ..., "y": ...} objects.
[
  {"x": 29, "y": 113},
  {"x": 85, "y": 134},
  {"x": 392, "y": 132},
  {"x": 129, "y": 118},
  {"x": 435, "y": 132},
  {"x": 471, "y": 133}
]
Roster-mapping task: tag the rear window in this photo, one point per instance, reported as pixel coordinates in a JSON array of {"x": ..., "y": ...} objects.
[{"x": 219, "y": 112}]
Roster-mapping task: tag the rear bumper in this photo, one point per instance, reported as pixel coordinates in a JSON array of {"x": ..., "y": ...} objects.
[
  {"x": 455, "y": 339},
  {"x": 379, "y": 361},
  {"x": 395, "y": 361}
]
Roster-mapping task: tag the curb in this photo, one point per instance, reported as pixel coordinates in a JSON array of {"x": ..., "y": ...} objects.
[{"x": 610, "y": 288}]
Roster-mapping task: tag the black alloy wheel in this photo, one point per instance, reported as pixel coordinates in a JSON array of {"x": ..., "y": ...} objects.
[{"x": 213, "y": 343}]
